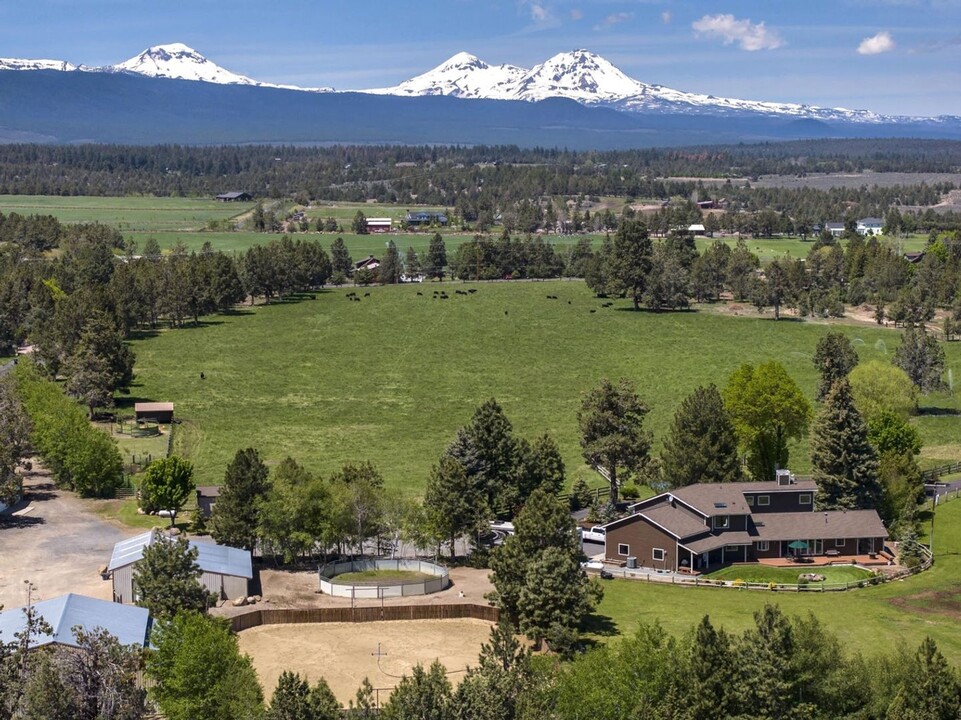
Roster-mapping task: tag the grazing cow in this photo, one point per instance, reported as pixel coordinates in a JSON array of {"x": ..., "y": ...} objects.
[
  {"x": 505, "y": 312},
  {"x": 568, "y": 302},
  {"x": 472, "y": 291},
  {"x": 420, "y": 293},
  {"x": 366, "y": 294},
  {"x": 593, "y": 311}
]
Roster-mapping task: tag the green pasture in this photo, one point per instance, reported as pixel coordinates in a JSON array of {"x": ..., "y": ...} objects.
[
  {"x": 390, "y": 378},
  {"x": 127, "y": 214},
  {"x": 395, "y": 577},
  {"x": 789, "y": 575},
  {"x": 870, "y": 620}
]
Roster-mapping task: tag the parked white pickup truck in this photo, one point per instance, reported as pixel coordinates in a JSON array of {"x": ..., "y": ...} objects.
[{"x": 595, "y": 534}]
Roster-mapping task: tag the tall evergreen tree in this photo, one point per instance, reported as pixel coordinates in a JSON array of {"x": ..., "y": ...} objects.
[
  {"x": 922, "y": 358},
  {"x": 612, "y": 435},
  {"x": 14, "y": 438},
  {"x": 845, "y": 464},
  {"x": 630, "y": 260},
  {"x": 492, "y": 438},
  {"x": 167, "y": 579},
  {"x": 424, "y": 694},
  {"x": 340, "y": 260},
  {"x": 390, "y": 268},
  {"x": 436, "y": 260},
  {"x": 236, "y": 516},
  {"x": 701, "y": 445},
  {"x": 834, "y": 358},
  {"x": 454, "y": 501}
]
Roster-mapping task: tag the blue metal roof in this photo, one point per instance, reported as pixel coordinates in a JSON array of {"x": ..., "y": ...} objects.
[
  {"x": 128, "y": 623},
  {"x": 211, "y": 557}
]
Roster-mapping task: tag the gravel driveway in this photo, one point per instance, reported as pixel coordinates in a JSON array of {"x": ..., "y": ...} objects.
[{"x": 55, "y": 542}]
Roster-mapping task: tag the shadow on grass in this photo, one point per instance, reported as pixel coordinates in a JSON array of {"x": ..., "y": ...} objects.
[
  {"x": 659, "y": 311},
  {"x": 939, "y": 412},
  {"x": 601, "y": 625}
]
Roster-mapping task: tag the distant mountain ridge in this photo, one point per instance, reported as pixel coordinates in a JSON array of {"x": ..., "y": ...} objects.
[{"x": 579, "y": 75}]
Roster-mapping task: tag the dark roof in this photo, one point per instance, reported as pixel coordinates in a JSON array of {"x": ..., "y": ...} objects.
[
  {"x": 676, "y": 520},
  {"x": 369, "y": 260},
  {"x": 208, "y": 491},
  {"x": 834, "y": 225},
  {"x": 839, "y": 524},
  {"x": 127, "y": 623},
  {"x": 871, "y": 221},
  {"x": 232, "y": 195},
  {"x": 713, "y": 542}
]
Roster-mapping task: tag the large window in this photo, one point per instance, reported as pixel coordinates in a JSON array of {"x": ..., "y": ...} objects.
[
  {"x": 804, "y": 499},
  {"x": 722, "y": 522},
  {"x": 623, "y": 549},
  {"x": 840, "y": 542},
  {"x": 763, "y": 499},
  {"x": 659, "y": 554},
  {"x": 749, "y": 499},
  {"x": 762, "y": 546}
]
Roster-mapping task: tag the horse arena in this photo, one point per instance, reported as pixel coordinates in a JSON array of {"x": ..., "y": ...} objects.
[{"x": 345, "y": 653}]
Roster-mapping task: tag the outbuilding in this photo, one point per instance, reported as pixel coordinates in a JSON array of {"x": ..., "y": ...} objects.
[
  {"x": 235, "y": 197},
  {"x": 158, "y": 412},
  {"x": 128, "y": 623},
  {"x": 379, "y": 225},
  {"x": 206, "y": 499},
  {"x": 227, "y": 571}
]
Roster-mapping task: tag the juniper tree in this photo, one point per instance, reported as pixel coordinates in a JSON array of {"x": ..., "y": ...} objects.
[
  {"x": 701, "y": 445},
  {"x": 834, "y": 358},
  {"x": 424, "y": 694},
  {"x": 845, "y": 464},
  {"x": 922, "y": 358}
]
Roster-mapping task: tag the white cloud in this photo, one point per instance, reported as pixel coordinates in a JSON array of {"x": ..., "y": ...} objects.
[
  {"x": 614, "y": 19},
  {"x": 576, "y": 14},
  {"x": 539, "y": 13},
  {"x": 750, "y": 36},
  {"x": 877, "y": 44},
  {"x": 666, "y": 17}
]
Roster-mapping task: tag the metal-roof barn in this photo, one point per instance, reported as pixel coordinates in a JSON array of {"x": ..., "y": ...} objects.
[
  {"x": 226, "y": 570},
  {"x": 129, "y": 624}
]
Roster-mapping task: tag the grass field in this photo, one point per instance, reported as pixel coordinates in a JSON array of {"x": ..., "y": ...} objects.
[
  {"x": 396, "y": 577},
  {"x": 870, "y": 620},
  {"x": 391, "y": 378},
  {"x": 765, "y": 574}
]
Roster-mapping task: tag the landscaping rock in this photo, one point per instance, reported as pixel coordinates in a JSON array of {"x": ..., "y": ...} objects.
[
  {"x": 240, "y": 602},
  {"x": 810, "y": 577}
]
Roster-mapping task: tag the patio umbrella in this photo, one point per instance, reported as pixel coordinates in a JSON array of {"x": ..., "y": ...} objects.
[{"x": 798, "y": 545}]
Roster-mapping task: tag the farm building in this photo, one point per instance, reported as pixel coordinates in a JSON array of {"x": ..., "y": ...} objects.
[
  {"x": 127, "y": 623},
  {"x": 206, "y": 499},
  {"x": 159, "y": 412},
  {"x": 379, "y": 225},
  {"x": 696, "y": 229},
  {"x": 425, "y": 217},
  {"x": 710, "y": 524},
  {"x": 368, "y": 263},
  {"x": 227, "y": 571},
  {"x": 235, "y": 197}
]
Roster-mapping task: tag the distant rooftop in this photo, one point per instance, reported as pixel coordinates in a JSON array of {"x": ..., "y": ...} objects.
[{"x": 128, "y": 623}]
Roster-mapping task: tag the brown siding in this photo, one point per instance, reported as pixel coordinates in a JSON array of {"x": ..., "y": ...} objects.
[
  {"x": 642, "y": 537},
  {"x": 278, "y": 616},
  {"x": 781, "y": 501}
]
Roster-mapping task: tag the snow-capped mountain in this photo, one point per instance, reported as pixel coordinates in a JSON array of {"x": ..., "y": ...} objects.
[
  {"x": 180, "y": 62},
  {"x": 18, "y": 64},
  {"x": 591, "y": 80},
  {"x": 464, "y": 76}
]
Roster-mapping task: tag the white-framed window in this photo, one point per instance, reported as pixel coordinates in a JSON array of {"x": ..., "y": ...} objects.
[
  {"x": 805, "y": 499},
  {"x": 732, "y": 548},
  {"x": 763, "y": 499},
  {"x": 722, "y": 522},
  {"x": 762, "y": 546},
  {"x": 658, "y": 554},
  {"x": 623, "y": 549},
  {"x": 750, "y": 500},
  {"x": 840, "y": 542}
]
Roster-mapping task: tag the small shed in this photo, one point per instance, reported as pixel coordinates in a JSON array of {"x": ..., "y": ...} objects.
[
  {"x": 206, "y": 499},
  {"x": 235, "y": 197},
  {"x": 227, "y": 571},
  {"x": 159, "y": 412},
  {"x": 129, "y": 624}
]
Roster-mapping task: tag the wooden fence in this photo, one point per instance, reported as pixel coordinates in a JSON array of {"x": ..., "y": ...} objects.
[
  {"x": 933, "y": 474},
  {"x": 280, "y": 616}
]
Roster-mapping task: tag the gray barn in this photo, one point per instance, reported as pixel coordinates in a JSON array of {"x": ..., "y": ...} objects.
[
  {"x": 227, "y": 571},
  {"x": 130, "y": 625}
]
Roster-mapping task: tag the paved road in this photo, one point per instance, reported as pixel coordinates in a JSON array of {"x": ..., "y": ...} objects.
[{"x": 55, "y": 542}]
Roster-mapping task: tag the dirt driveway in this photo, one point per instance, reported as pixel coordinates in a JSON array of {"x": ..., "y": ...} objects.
[{"x": 55, "y": 542}]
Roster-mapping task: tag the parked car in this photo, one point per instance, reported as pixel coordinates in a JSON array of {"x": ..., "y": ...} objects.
[{"x": 595, "y": 534}]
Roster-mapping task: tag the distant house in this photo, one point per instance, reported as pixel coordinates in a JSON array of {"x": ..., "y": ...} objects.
[
  {"x": 206, "y": 499},
  {"x": 696, "y": 229},
  {"x": 425, "y": 217},
  {"x": 914, "y": 257},
  {"x": 379, "y": 225},
  {"x": 129, "y": 624},
  {"x": 235, "y": 197},
  {"x": 708, "y": 524},
  {"x": 835, "y": 228},
  {"x": 368, "y": 263},
  {"x": 707, "y": 204},
  {"x": 227, "y": 571},
  {"x": 870, "y": 226},
  {"x": 158, "y": 412}
]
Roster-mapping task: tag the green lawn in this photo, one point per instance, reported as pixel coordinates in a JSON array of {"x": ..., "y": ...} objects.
[
  {"x": 391, "y": 378},
  {"x": 395, "y": 577},
  {"x": 765, "y": 574},
  {"x": 870, "y": 620}
]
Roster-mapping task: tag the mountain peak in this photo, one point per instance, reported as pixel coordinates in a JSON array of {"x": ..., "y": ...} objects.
[{"x": 462, "y": 75}]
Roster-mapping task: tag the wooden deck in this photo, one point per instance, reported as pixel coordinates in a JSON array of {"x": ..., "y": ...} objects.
[{"x": 822, "y": 560}]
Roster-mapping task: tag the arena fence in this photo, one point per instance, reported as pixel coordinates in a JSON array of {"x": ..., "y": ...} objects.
[
  {"x": 280, "y": 616},
  {"x": 375, "y": 590}
]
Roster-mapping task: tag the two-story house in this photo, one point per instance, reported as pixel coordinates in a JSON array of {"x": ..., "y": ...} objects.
[{"x": 704, "y": 524}]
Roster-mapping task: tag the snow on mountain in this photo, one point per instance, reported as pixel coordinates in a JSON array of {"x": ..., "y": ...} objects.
[
  {"x": 181, "y": 62},
  {"x": 463, "y": 76},
  {"x": 589, "y": 79},
  {"x": 18, "y": 64}
]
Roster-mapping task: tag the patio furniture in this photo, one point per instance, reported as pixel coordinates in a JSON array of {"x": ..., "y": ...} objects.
[{"x": 832, "y": 553}]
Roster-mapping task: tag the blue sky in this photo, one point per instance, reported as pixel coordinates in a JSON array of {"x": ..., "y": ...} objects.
[{"x": 891, "y": 56}]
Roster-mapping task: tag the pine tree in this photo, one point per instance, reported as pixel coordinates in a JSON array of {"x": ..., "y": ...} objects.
[
  {"x": 424, "y": 695},
  {"x": 390, "y": 268},
  {"x": 922, "y": 358},
  {"x": 436, "y": 261},
  {"x": 701, "y": 445},
  {"x": 630, "y": 260},
  {"x": 236, "y": 515},
  {"x": 291, "y": 698},
  {"x": 167, "y": 579},
  {"x": 845, "y": 464},
  {"x": 454, "y": 501},
  {"x": 411, "y": 263},
  {"x": 492, "y": 437},
  {"x": 834, "y": 359},
  {"x": 340, "y": 260}
]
